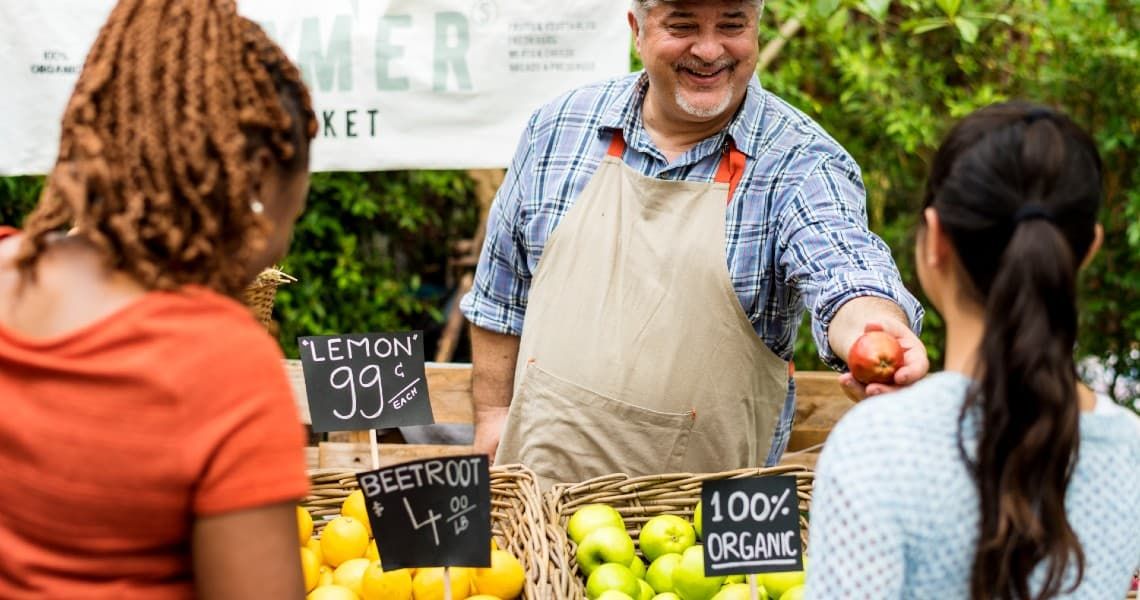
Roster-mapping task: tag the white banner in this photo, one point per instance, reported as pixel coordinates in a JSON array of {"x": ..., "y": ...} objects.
[{"x": 398, "y": 84}]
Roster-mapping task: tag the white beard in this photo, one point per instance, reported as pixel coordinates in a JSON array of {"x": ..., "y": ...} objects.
[{"x": 709, "y": 112}]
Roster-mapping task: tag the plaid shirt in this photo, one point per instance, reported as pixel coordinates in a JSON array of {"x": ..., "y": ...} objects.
[{"x": 796, "y": 230}]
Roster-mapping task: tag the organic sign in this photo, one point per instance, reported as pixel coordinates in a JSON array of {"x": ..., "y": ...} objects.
[
  {"x": 751, "y": 525},
  {"x": 365, "y": 380},
  {"x": 431, "y": 513}
]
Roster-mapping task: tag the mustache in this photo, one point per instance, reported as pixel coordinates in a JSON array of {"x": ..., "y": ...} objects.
[{"x": 700, "y": 65}]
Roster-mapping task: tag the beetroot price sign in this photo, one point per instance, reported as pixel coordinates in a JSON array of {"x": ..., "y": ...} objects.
[
  {"x": 751, "y": 525},
  {"x": 431, "y": 513},
  {"x": 365, "y": 380}
]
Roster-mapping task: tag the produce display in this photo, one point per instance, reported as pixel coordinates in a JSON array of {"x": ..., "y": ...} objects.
[
  {"x": 343, "y": 563},
  {"x": 665, "y": 563}
]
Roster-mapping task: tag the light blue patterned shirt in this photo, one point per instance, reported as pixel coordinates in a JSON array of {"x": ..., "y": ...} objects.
[
  {"x": 796, "y": 230},
  {"x": 895, "y": 513}
]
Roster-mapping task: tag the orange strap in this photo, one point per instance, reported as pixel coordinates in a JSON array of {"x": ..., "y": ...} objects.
[
  {"x": 729, "y": 171},
  {"x": 6, "y": 231}
]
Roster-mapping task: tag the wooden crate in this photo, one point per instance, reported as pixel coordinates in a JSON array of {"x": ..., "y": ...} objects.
[{"x": 819, "y": 404}]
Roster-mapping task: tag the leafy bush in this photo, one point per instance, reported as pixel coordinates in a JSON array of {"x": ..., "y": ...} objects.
[
  {"x": 370, "y": 253},
  {"x": 886, "y": 78}
]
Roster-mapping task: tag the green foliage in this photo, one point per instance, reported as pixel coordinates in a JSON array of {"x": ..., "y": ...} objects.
[
  {"x": 887, "y": 79},
  {"x": 18, "y": 195},
  {"x": 369, "y": 252}
]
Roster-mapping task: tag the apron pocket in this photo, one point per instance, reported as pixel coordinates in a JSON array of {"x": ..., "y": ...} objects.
[{"x": 567, "y": 433}]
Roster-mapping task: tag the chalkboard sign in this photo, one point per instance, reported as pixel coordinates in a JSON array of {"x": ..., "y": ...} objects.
[
  {"x": 365, "y": 380},
  {"x": 751, "y": 525},
  {"x": 431, "y": 513}
]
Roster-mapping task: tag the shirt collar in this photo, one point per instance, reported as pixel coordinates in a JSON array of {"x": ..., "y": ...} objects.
[{"x": 624, "y": 113}]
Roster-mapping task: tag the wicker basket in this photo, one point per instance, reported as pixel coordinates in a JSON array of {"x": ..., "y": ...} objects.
[
  {"x": 517, "y": 520},
  {"x": 638, "y": 500},
  {"x": 260, "y": 295}
]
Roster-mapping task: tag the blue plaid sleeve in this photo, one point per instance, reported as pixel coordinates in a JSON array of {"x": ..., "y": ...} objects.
[
  {"x": 498, "y": 296},
  {"x": 830, "y": 256}
]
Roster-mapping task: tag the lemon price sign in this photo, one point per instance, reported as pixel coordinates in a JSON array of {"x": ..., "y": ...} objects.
[
  {"x": 431, "y": 513},
  {"x": 365, "y": 381},
  {"x": 751, "y": 525}
]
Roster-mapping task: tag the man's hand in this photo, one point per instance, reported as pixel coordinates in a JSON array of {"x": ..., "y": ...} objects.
[
  {"x": 866, "y": 313},
  {"x": 489, "y": 430},
  {"x": 915, "y": 363}
]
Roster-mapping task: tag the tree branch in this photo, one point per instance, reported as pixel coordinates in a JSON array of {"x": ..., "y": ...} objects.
[{"x": 772, "y": 49}]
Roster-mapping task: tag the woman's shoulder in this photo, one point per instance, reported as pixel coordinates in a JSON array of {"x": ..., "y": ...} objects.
[
  {"x": 207, "y": 322},
  {"x": 931, "y": 405},
  {"x": 901, "y": 436}
]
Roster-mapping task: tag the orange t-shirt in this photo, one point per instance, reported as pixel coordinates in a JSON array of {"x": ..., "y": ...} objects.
[{"x": 113, "y": 438}]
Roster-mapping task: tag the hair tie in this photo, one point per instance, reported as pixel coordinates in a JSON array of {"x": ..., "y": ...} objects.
[
  {"x": 1032, "y": 211},
  {"x": 1037, "y": 114}
]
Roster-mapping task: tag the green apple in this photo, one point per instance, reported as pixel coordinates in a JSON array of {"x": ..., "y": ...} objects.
[
  {"x": 667, "y": 596},
  {"x": 646, "y": 591},
  {"x": 605, "y": 545},
  {"x": 735, "y": 579},
  {"x": 613, "y": 595},
  {"x": 612, "y": 576},
  {"x": 697, "y": 519},
  {"x": 665, "y": 534},
  {"x": 660, "y": 573},
  {"x": 689, "y": 581},
  {"x": 740, "y": 591},
  {"x": 796, "y": 593},
  {"x": 591, "y": 517},
  {"x": 638, "y": 567},
  {"x": 778, "y": 584}
]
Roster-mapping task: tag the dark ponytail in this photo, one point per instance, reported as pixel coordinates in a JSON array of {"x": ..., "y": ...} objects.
[{"x": 1017, "y": 188}]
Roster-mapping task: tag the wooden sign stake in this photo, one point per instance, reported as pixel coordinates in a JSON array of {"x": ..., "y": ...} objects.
[
  {"x": 375, "y": 449},
  {"x": 754, "y": 590},
  {"x": 447, "y": 583}
]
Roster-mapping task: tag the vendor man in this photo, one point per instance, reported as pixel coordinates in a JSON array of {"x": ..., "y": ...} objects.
[{"x": 650, "y": 255}]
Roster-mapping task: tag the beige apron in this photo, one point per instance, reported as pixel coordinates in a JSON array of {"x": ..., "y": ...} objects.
[{"x": 636, "y": 356}]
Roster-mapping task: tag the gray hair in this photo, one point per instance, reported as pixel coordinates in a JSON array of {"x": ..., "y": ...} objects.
[{"x": 641, "y": 8}]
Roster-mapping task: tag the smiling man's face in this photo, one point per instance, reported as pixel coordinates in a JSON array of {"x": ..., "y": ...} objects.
[{"x": 699, "y": 56}]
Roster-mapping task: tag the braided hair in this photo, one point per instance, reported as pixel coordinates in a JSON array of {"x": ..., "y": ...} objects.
[{"x": 155, "y": 161}]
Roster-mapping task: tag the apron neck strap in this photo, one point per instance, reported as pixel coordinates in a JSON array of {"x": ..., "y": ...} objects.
[{"x": 728, "y": 171}]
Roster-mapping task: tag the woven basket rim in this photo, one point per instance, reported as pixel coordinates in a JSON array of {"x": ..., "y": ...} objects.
[{"x": 273, "y": 276}]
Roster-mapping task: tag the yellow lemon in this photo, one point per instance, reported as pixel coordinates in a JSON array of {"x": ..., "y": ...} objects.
[
  {"x": 379, "y": 584},
  {"x": 332, "y": 592},
  {"x": 354, "y": 507},
  {"x": 325, "y": 577},
  {"x": 304, "y": 524},
  {"x": 372, "y": 553},
  {"x": 315, "y": 546},
  {"x": 504, "y": 578},
  {"x": 344, "y": 538},
  {"x": 311, "y": 567},
  {"x": 494, "y": 544},
  {"x": 483, "y": 597},
  {"x": 428, "y": 583},
  {"x": 350, "y": 573}
]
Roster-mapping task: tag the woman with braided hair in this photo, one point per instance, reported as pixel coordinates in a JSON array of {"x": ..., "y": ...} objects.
[
  {"x": 149, "y": 443},
  {"x": 1002, "y": 477}
]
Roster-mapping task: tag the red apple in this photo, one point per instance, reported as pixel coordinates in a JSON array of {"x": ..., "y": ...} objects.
[{"x": 875, "y": 357}]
